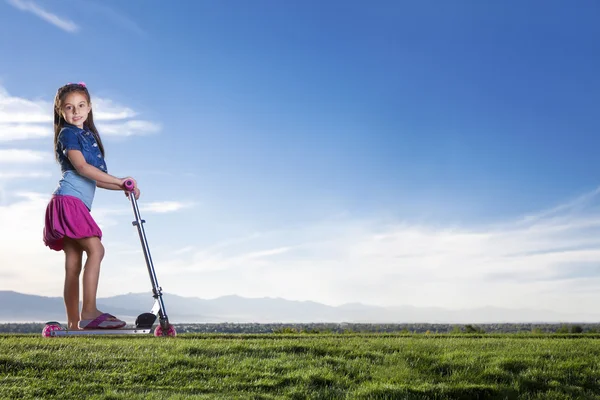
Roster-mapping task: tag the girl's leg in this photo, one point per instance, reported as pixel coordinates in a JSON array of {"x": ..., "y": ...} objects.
[
  {"x": 73, "y": 260},
  {"x": 91, "y": 273}
]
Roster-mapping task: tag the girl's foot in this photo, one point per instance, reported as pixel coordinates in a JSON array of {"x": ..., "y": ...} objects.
[
  {"x": 91, "y": 314},
  {"x": 73, "y": 326},
  {"x": 100, "y": 320}
]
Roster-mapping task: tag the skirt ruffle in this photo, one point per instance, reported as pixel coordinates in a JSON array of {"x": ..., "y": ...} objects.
[{"x": 67, "y": 216}]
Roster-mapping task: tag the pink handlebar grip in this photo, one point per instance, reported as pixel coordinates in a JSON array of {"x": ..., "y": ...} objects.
[{"x": 129, "y": 185}]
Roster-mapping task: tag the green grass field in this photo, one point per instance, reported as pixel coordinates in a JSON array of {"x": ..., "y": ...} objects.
[{"x": 300, "y": 367}]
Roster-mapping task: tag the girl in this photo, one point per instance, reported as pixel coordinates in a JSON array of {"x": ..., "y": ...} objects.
[{"x": 69, "y": 226}]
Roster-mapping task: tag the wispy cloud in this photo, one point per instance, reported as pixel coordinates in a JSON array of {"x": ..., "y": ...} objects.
[
  {"x": 18, "y": 110},
  {"x": 130, "y": 128},
  {"x": 14, "y": 132},
  {"x": 60, "y": 22},
  {"x": 152, "y": 207},
  {"x": 542, "y": 263},
  {"x": 10, "y": 175},
  {"x": 109, "y": 110},
  {"x": 25, "y": 119},
  {"x": 22, "y": 253},
  {"x": 267, "y": 253},
  {"x": 207, "y": 260},
  {"x": 165, "y": 206},
  {"x": 16, "y": 156},
  {"x": 116, "y": 17}
]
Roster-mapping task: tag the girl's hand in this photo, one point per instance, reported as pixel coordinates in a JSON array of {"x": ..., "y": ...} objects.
[
  {"x": 136, "y": 193},
  {"x": 136, "y": 190},
  {"x": 123, "y": 180}
]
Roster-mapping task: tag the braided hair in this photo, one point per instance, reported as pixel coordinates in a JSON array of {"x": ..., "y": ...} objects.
[{"x": 59, "y": 121}]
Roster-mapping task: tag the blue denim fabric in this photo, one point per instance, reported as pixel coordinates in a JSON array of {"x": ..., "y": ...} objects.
[
  {"x": 71, "y": 183},
  {"x": 74, "y": 138}
]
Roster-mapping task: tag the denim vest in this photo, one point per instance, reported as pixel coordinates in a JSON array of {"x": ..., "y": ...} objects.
[{"x": 71, "y": 183}]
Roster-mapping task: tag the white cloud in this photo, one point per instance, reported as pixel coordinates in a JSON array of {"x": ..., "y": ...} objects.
[
  {"x": 9, "y": 175},
  {"x": 129, "y": 128},
  {"x": 183, "y": 250},
  {"x": 117, "y": 18},
  {"x": 108, "y": 110},
  {"x": 12, "y": 132},
  {"x": 164, "y": 206},
  {"x": 25, "y": 119},
  {"x": 18, "y": 110},
  {"x": 30, "y": 6},
  {"x": 152, "y": 207},
  {"x": 543, "y": 263},
  {"x": 266, "y": 253},
  {"x": 23, "y": 256},
  {"x": 16, "y": 156}
]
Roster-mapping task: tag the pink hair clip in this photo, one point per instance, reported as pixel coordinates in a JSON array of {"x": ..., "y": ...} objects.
[{"x": 79, "y": 83}]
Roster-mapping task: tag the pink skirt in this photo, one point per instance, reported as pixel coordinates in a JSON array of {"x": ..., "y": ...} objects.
[{"x": 67, "y": 216}]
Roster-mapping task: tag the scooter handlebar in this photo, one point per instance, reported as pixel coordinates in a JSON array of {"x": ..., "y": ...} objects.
[{"x": 129, "y": 185}]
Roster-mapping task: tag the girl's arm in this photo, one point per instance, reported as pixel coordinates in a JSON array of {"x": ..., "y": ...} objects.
[
  {"x": 102, "y": 179},
  {"x": 109, "y": 186}
]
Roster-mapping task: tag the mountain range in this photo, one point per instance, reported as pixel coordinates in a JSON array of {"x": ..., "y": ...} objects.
[{"x": 20, "y": 307}]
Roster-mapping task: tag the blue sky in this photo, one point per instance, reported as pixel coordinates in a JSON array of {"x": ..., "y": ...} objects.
[{"x": 331, "y": 151}]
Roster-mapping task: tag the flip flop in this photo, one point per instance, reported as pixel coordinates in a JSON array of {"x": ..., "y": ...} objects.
[{"x": 103, "y": 321}]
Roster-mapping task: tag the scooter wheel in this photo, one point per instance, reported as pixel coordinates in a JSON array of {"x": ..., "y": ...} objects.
[
  {"x": 170, "y": 332},
  {"x": 49, "y": 328}
]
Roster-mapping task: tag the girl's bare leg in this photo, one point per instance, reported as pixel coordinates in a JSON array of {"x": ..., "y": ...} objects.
[
  {"x": 91, "y": 273},
  {"x": 73, "y": 262}
]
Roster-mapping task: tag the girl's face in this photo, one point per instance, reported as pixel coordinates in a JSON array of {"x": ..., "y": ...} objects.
[{"x": 75, "y": 109}]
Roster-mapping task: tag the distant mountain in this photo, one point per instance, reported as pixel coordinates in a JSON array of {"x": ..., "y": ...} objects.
[{"x": 19, "y": 307}]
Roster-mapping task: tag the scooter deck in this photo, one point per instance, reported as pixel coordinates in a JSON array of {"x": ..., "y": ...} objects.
[{"x": 101, "y": 332}]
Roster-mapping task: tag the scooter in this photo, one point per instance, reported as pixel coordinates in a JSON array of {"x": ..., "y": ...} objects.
[{"x": 145, "y": 321}]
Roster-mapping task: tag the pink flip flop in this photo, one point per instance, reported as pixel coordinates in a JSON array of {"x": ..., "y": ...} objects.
[{"x": 102, "y": 322}]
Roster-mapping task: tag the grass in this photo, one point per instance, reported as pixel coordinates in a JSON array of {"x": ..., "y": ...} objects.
[{"x": 361, "y": 366}]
